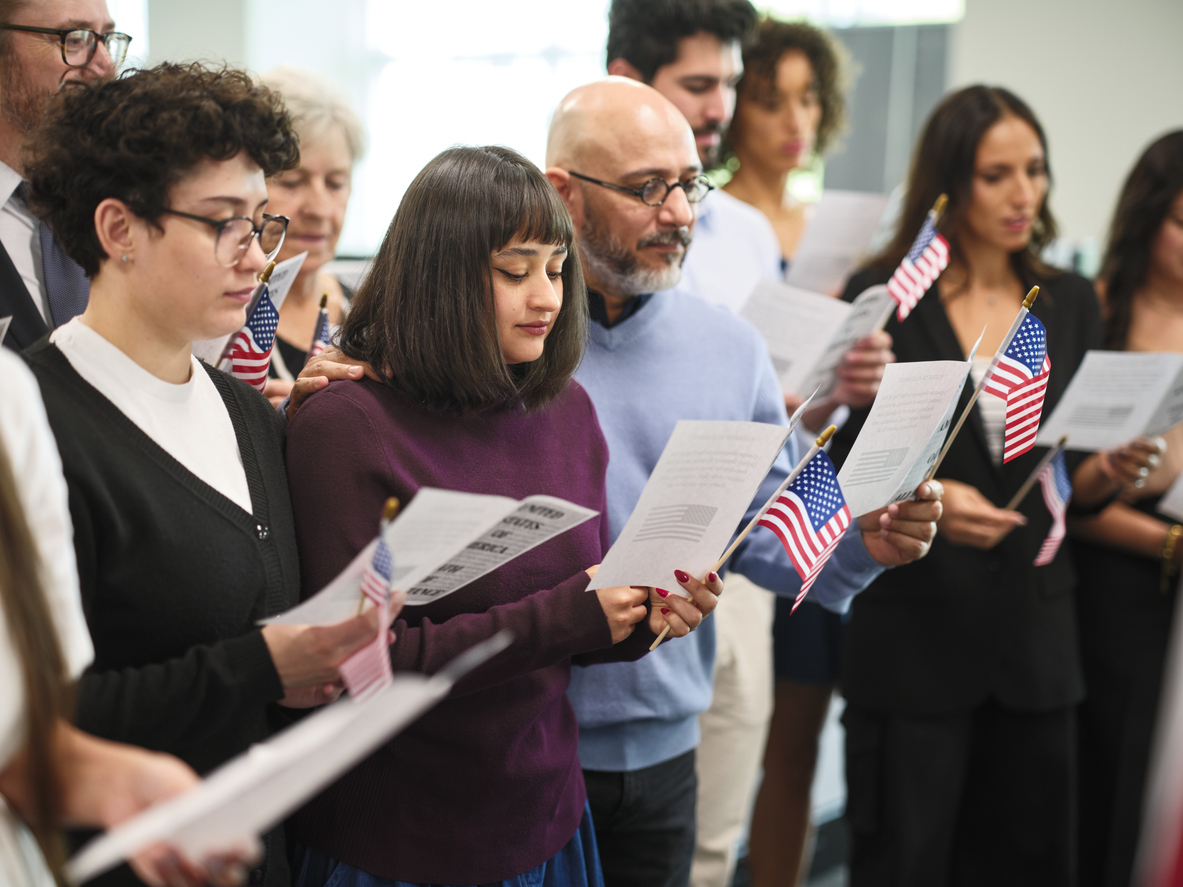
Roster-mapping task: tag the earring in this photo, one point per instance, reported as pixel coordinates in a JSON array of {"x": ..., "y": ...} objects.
[{"x": 125, "y": 258}]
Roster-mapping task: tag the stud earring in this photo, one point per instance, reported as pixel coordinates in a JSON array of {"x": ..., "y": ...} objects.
[{"x": 125, "y": 259}]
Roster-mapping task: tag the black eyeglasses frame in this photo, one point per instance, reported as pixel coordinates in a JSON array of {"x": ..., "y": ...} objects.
[
  {"x": 639, "y": 193},
  {"x": 62, "y": 33}
]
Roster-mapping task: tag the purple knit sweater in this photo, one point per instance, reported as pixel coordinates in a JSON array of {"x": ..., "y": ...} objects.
[{"x": 487, "y": 785}]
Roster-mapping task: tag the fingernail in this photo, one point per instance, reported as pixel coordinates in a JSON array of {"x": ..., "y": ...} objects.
[
  {"x": 681, "y": 577},
  {"x": 663, "y": 592},
  {"x": 712, "y": 577},
  {"x": 664, "y": 611},
  {"x": 355, "y": 371}
]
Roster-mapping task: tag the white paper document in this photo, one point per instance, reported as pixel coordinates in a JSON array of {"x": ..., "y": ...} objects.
[
  {"x": 4, "y": 324},
  {"x": 1116, "y": 396},
  {"x": 835, "y": 240},
  {"x": 441, "y": 542},
  {"x": 808, "y": 333},
  {"x": 693, "y": 504},
  {"x": 278, "y": 287},
  {"x": 903, "y": 434},
  {"x": 257, "y": 789}
]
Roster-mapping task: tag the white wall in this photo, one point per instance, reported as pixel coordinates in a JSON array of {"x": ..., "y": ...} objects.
[
  {"x": 1104, "y": 78},
  {"x": 181, "y": 30}
]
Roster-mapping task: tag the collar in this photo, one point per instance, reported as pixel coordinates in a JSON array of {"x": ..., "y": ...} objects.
[
  {"x": 597, "y": 309},
  {"x": 9, "y": 181}
]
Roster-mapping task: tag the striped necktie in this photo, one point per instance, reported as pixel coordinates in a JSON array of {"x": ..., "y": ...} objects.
[{"x": 66, "y": 284}]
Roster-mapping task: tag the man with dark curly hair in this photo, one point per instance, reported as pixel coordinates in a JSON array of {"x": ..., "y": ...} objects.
[{"x": 40, "y": 286}]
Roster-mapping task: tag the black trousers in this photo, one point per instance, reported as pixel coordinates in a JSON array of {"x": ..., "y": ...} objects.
[
  {"x": 644, "y": 822},
  {"x": 984, "y": 798}
]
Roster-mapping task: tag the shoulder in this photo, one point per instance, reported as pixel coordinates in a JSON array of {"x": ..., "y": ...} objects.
[
  {"x": 1069, "y": 285},
  {"x": 717, "y": 323},
  {"x": 740, "y": 218},
  {"x": 872, "y": 275}
]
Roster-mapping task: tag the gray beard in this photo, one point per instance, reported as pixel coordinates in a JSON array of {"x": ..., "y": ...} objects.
[{"x": 616, "y": 269}]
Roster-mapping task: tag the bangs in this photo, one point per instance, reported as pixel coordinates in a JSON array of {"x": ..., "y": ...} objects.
[{"x": 533, "y": 211}]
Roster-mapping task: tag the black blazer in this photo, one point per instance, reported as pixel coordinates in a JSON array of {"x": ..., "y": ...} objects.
[
  {"x": 27, "y": 324},
  {"x": 944, "y": 634}
]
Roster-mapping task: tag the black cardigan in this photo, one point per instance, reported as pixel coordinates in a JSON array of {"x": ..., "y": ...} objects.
[
  {"x": 173, "y": 576},
  {"x": 944, "y": 634}
]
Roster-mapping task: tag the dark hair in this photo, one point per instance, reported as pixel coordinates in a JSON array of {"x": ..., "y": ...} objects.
[
  {"x": 136, "y": 137},
  {"x": 770, "y": 41},
  {"x": 43, "y": 667},
  {"x": 645, "y": 33},
  {"x": 425, "y": 310},
  {"x": 943, "y": 163},
  {"x": 1152, "y": 186}
]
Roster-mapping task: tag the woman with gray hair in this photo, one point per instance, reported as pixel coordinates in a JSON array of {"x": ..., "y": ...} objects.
[{"x": 314, "y": 196}]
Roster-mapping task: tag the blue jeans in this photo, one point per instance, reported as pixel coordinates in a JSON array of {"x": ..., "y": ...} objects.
[{"x": 577, "y": 864}]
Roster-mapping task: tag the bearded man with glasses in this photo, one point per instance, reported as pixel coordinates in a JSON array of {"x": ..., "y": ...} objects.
[{"x": 44, "y": 47}]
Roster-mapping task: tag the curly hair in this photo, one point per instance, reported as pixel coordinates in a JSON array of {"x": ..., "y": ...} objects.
[
  {"x": 771, "y": 39},
  {"x": 645, "y": 33},
  {"x": 136, "y": 137}
]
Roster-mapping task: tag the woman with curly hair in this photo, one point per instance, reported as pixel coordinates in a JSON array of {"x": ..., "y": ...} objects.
[
  {"x": 1129, "y": 547},
  {"x": 155, "y": 184}
]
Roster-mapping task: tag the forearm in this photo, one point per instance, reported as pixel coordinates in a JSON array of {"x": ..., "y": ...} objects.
[
  {"x": 1123, "y": 528},
  {"x": 1091, "y": 483}
]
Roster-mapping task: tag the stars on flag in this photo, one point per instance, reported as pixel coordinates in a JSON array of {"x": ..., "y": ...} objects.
[{"x": 250, "y": 349}]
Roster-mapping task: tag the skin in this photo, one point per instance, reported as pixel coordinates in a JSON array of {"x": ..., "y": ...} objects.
[
  {"x": 314, "y": 196},
  {"x": 527, "y": 296},
  {"x": 1008, "y": 188},
  {"x": 33, "y": 70}
]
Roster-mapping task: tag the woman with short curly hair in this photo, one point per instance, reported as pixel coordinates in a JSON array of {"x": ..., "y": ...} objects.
[{"x": 155, "y": 184}]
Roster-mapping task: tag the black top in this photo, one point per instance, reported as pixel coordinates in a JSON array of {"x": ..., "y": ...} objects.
[
  {"x": 174, "y": 576},
  {"x": 16, "y": 302},
  {"x": 961, "y": 626}
]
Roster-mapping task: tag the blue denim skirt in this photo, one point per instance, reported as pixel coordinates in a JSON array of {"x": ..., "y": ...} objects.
[{"x": 577, "y": 864}]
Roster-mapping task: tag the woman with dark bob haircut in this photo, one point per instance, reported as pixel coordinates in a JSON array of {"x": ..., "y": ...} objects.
[
  {"x": 477, "y": 309},
  {"x": 961, "y": 672},
  {"x": 155, "y": 185},
  {"x": 1129, "y": 546}
]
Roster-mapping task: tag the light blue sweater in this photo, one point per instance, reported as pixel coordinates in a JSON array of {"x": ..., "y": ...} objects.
[{"x": 680, "y": 357}]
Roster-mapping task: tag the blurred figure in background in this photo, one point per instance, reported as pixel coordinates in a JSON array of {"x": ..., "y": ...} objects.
[
  {"x": 1128, "y": 556},
  {"x": 314, "y": 196}
]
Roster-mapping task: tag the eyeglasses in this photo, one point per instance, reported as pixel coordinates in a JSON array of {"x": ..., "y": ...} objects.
[
  {"x": 79, "y": 44},
  {"x": 655, "y": 191},
  {"x": 235, "y": 235}
]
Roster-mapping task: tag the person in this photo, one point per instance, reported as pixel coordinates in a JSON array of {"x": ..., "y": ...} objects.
[
  {"x": 624, "y": 160},
  {"x": 961, "y": 672},
  {"x": 155, "y": 185},
  {"x": 314, "y": 196},
  {"x": 1127, "y": 556},
  {"x": 477, "y": 309},
  {"x": 690, "y": 52},
  {"x": 40, "y": 286},
  {"x": 51, "y": 773}
]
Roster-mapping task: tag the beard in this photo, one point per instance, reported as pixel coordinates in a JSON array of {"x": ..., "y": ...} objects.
[
  {"x": 710, "y": 156},
  {"x": 616, "y": 268},
  {"x": 21, "y": 103}
]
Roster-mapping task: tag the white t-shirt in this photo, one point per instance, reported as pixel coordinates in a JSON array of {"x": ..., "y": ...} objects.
[
  {"x": 187, "y": 421},
  {"x": 37, "y": 469},
  {"x": 992, "y": 409}
]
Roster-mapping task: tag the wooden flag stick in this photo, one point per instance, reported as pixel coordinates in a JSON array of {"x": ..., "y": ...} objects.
[
  {"x": 255, "y": 296},
  {"x": 1014, "y": 328},
  {"x": 1030, "y": 481},
  {"x": 935, "y": 214},
  {"x": 821, "y": 441},
  {"x": 389, "y": 510}
]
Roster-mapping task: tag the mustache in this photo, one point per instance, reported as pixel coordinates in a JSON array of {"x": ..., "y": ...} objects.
[
  {"x": 709, "y": 128},
  {"x": 678, "y": 237}
]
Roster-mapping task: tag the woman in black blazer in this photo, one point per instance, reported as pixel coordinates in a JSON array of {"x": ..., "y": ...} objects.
[{"x": 960, "y": 671}]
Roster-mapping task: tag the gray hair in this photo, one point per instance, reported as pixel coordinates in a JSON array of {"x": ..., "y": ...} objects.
[{"x": 316, "y": 108}]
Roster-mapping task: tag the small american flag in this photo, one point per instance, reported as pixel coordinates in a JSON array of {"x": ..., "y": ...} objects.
[
  {"x": 1020, "y": 378},
  {"x": 1024, "y": 407},
  {"x": 919, "y": 269},
  {"x": 809, "y": 518},
  {"x": 250, "y": 350},
  {"x": 368, "y": 670},
  {"x": 321, "y": 340},
  {"x": 1057, "y": 490}
]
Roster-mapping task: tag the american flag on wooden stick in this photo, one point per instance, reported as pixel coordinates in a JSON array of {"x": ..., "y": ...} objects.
[
  {"x": 1020, "y": 378},
  {"x": 1057, "y": 490},
  {"x": 321, "y": 340},
  {"x": 919, "y": 269},
  {"x": 250, "y": 349},
  {"x": 368, "y": 670},
  {"x": 809, "y": 518}
]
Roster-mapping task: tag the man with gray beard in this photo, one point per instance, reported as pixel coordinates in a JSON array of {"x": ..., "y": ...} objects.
[
  {"x": 623, "y": 158},
  {"x": 45, "y": 45}
]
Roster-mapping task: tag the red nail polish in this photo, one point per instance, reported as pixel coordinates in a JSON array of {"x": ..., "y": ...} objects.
[
  {"x": 712, "y": 577},
  {"x": 663, "y": 592},
  {"x": 664, "y": 611},
  {"x": 681, "y": 577}
]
